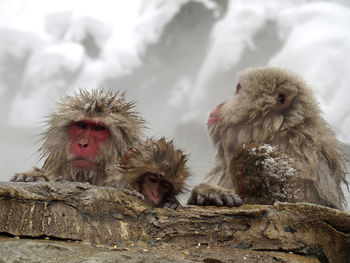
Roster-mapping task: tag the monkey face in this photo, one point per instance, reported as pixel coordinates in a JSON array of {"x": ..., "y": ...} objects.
[
  {"x": 86, "y": 138},
  {"x": 268, "y": 89},
  {"x": 154, "y": 188},
  {"x": 214, "y": 115}
]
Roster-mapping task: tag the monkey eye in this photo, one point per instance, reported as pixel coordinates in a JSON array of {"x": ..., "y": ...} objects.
[
  {"x": 81, "y": 125},
  {"x": 152, "y": 178},
  {"x": 165, "y": 185},
  {"x": 99, "y": 128},
  {"x": 238, "y": 87},
  {"x": 281, "y": 99}
]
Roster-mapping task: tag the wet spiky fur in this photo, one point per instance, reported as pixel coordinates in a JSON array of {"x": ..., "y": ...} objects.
[
  {"x": 110, "y": 108},
  {"x": 157, "y": 157},
  {"x": 274, "y": 106}
]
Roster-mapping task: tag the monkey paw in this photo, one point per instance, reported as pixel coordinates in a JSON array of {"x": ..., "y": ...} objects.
[
  {"x": 35, "y": 175},
  {"x": 206, "y": 194},
  {"x": 172, "y": 204},
  {"x": 134, "y": 193},
  {"x": 22, "y": 177},
  {"x": 126, "y": 189}
]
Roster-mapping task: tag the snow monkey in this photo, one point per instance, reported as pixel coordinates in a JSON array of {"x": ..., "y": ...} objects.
[
  {"x": 86, "y": 132},
  {"x": 273, "y": 106},
  {"x": 154, "y": 171}
]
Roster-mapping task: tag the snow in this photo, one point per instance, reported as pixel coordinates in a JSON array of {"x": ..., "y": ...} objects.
[{"x": 51, "y": 48}]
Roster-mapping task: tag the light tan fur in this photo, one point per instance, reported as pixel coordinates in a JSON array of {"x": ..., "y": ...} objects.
[
  {"x": 274, "y": 106},
  {"x": 109, "y": 108}
]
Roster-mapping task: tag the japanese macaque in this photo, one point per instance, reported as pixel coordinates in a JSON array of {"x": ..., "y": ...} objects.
[
  {"x": 85, "y": 133},
  {"x": 273, "y": 106},
  {"x": 153, "y": 171}
]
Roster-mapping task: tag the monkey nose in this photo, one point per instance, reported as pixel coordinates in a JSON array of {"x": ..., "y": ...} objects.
[
  {"x": 83, "y": 143},
  {"x": 154, "y": 196}
]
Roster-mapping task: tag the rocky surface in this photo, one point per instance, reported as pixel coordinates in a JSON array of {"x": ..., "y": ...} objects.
[{"x": 74, "y": 222}]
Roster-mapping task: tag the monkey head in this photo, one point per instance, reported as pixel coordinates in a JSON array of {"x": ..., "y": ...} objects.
[
  {"x": 276, "y": 107},
  {"x": 88, "y": 130},
  {"x": 156, "y": 169},
  {"x": 268, "y": 101}
]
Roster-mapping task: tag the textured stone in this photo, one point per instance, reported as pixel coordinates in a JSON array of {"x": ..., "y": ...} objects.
[{"x": 115, "y": 225}]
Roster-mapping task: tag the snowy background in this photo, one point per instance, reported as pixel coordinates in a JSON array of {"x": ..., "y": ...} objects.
[{"x": 177, "y": 58}]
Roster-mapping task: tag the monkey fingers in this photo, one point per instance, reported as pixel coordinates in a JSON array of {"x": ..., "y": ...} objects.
[
  {"x": 59, "y": 179},
  {"x": 225, "y": 199},
  {"x": 36, "y": 175},
  {"x": 18, "y": 178},
  {"x": 214, "y": 199},
  {"x": 125, "y": 188},
  {"x": 27, "y": 178},
  {"x": 134, "y": 193},
  {"x": 199, "y": 200},
  {"x": 232, "y": 200},
  {"x": 208, "y": 194},
  {"x": 208, "y": 199},
  {"x": 172, "y": 204}
]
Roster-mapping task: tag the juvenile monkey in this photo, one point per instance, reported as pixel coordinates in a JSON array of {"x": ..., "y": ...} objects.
[
  {"x": 154, "y": 171},
  {"x": 273, "y": 106},
  {"x": 86, "y": 132}
]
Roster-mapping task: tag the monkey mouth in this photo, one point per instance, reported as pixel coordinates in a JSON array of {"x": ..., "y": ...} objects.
[
  {"x": 214, "y": 115},
  {"x": 82, "y": 163}
]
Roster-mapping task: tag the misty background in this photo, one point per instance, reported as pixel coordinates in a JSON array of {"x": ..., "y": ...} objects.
[{"x": 177, "y": 59}]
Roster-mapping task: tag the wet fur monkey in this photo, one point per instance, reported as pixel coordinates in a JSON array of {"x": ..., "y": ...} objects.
[
  {"x": 273, "y": 106},
  {"x": 86, "y": 132},
  {"x": 154, "y": 171}
]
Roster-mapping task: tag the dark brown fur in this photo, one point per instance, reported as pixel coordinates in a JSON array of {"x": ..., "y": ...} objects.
[
  {"x": 262, "y": 174},
  {"x": 160, "y": 158}
]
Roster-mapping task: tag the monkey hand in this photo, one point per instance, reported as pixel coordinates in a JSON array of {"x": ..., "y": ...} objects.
[
  {"x": 207, "y": 194},
  {"x": 35, "y": 175},
  {"x": 128, "y": 189},
  {"x": 171, "y": 203}
]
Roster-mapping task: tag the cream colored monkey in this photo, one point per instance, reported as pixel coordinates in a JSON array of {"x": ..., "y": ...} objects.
[{"x": 276, "y": 107}]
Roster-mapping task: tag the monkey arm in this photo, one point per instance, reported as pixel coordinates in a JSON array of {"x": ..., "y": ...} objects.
[
  {"x": 208, "y": 194},
  {"x": 217, "y": 173},
  {"x": 127, "y": 189},
  {"x": 35, "y": 175}
]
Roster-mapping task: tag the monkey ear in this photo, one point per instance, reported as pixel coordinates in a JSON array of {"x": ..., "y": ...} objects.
[
  {"x": 283, "y": 101},
  {"x": 126, "y": 157},
  {"x": 238, "y": 87}
]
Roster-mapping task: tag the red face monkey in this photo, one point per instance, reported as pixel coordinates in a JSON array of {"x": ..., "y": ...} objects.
[{"x": 85, "y": 133}]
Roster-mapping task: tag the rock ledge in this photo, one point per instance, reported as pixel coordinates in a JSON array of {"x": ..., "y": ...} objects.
[{"x": 111, "y": 225}]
